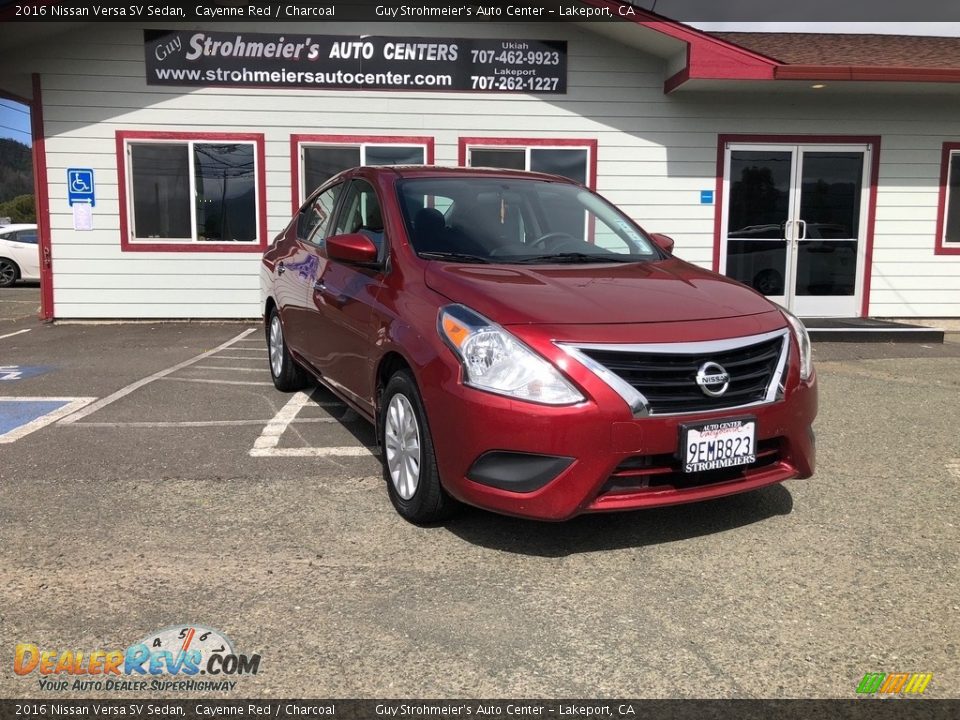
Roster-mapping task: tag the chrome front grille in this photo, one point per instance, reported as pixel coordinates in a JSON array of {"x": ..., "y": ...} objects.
[{"x": 661, "y": 379}]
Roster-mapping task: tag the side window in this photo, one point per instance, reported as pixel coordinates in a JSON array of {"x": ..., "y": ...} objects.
[
  {"x": 27, "y": 236},
  {"x": 315, "y": 215},
  {"x": 360, "y": 213}
]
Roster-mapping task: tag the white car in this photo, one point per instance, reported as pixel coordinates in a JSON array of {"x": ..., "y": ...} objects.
[{"x": 19, "y": 254}]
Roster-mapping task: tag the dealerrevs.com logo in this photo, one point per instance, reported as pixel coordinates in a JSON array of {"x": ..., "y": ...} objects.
[
  {"x": 894, "y": 684},
  {"x": 172, "y": 659}
]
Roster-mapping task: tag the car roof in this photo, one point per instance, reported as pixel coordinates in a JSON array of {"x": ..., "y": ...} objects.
[{"x": 17, "y": 226}]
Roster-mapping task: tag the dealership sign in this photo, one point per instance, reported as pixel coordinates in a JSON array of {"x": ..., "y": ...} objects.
[{"x": 238, "y": 59}]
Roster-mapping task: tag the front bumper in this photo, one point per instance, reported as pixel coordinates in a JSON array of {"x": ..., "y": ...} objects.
[{"x": 616, "y": 461}]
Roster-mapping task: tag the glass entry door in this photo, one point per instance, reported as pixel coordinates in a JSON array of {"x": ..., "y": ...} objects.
[{"x": 794, "y": 224}]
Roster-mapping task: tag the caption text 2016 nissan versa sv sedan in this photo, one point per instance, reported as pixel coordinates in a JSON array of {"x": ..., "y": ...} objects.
[{"x": 523, "y": 346}]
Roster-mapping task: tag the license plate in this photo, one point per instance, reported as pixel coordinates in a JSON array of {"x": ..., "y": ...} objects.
[{"x": 716, "y": 445}]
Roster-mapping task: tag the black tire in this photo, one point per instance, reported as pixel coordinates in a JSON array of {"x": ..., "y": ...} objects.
[
  {"x": 428, "y": 502},
  {"x": 287, "y": 374},
  {"x": 9, "y": 272},
  {"x": 768, "y": 282}
]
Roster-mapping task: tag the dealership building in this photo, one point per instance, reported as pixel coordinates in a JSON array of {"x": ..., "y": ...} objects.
[{"x": 817, "y": 168}]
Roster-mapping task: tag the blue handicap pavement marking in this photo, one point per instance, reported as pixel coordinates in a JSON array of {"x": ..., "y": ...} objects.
[
  {"x": 22, "y": 372},
  {"x": 17, "y": 413}
]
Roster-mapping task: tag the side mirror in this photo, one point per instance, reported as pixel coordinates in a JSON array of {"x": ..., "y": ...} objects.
[
  {"x": 352, "y": 248},
  {"x": 664, "y": 242}
]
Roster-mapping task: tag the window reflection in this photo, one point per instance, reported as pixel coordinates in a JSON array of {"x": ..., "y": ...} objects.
[
  {"x": 759, "y": 193},
  {"x": 160, "y": 184},
  {"x": 761, "y": 264},
  {"x": 826, "y": 268},
  {"x": 320, "y": 163},
  {"x": 225, "y": 192},
  {"x": 830, "y": 194}
]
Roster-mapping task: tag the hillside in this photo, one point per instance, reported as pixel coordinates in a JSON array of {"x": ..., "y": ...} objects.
[{"x": 16, "y": 169}]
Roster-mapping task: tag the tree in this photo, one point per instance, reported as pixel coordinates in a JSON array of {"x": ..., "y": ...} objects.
[
  {"x": 16, "y": 169},
  {"x": 20, "y": 210}
]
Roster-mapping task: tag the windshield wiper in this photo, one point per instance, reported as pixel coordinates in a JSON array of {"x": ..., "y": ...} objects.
[
  {"x": 573, "y": 257},
  {"x": 453, "y": 256}
]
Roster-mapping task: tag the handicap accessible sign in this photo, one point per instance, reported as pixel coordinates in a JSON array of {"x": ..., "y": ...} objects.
[{"x": 80, "y": 187}]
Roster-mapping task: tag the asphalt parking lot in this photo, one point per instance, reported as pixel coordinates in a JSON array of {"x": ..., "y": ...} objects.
[{"x": 177, "y": 486}]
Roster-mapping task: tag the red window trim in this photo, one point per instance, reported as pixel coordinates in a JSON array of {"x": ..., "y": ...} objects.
[
  {"x": 872, "y": 140},
  {"x": 297, "y": 139},
  {"x": 941, "y": 247},
  {"x": 127, "y": 244},
  {"x": 588, "y": 143}
]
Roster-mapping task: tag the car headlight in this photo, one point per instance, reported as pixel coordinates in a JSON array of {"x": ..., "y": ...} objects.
[
  {"x": 803, "y": 342},
  {"x": 496, "y": 361}
]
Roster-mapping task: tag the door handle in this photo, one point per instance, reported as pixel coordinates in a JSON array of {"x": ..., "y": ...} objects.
[
  {"x": 803, "y": 230},
  {"x": 331, "y": 298},
  {"x": 280, "y": 268}
]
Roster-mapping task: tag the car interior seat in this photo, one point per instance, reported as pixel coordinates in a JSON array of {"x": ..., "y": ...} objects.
[
  {"x": 373, "y": 226},
  {"x": 428, "y": 229}
]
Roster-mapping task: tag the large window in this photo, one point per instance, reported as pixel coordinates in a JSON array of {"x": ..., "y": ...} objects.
[
  {"x": 317, "y": 158},
  {"x": 574, "y": 159},
  {"x": 948, "y": 215},
  {"x": 191, "y": 192}
]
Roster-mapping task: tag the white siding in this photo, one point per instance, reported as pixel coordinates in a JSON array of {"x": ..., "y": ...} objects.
[{"x": 655, "y": 154}]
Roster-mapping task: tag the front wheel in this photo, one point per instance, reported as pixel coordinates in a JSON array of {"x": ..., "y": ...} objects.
[
  {"x": 286, "y": 373},
  {"x": 409, "y": 462}
]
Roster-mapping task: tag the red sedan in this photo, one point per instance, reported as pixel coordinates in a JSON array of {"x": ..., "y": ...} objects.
[{"x": 524, "y": 346}]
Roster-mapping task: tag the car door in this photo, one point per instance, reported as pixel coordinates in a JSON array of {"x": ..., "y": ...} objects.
[
  {"x": 342, "y": 302},
  {"x": 296, "y": 264}
]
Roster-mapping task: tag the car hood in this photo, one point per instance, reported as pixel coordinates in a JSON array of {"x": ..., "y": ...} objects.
[{"x": 666, "y": 291}]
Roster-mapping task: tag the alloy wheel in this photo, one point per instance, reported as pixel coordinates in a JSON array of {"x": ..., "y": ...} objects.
[
  {"x": 7, "y": 273},
  {"x": 276, "y": 346},
  {"x": 402, "y": 444}
]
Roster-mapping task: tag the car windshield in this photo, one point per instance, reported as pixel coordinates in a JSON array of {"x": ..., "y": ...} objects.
[{"x": 517, "y": 220}]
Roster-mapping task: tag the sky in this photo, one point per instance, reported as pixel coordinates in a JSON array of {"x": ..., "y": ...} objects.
[
  {"x": 14, "y": 121},
  {"x": 15, "y": 118}
]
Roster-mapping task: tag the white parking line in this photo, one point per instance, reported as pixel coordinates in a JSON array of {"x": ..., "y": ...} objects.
[
  {"x": 217, "y": 382},
  {"x": 73, "y": 404},
  {"x": 18, "y": 332},
  {"x": 270, "y": 437},
  {"x": 266, "y": 444},
  {"x": 123, "y": 392},
  {"x": 346, "y": 451},
  {"x": 953, "y": 467},
  {"x": 236, "y": 357},
  {"x": 196, "y": 423},
  {"x": 231, "y": 368}
]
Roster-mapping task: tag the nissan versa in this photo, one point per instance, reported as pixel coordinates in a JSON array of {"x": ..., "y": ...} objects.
[{"x": 524, "y": 346}]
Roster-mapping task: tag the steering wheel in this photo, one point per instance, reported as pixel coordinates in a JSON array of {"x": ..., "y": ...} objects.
[{"x": 553, "y": 241}]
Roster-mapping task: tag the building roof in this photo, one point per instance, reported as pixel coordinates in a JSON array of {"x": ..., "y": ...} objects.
[{"x": 825, "y": 49}]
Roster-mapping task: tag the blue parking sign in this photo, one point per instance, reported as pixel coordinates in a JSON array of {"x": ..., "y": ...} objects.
[{"x": 80, "y": 186}]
